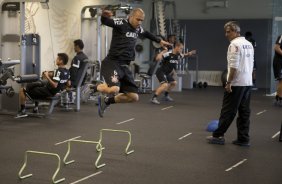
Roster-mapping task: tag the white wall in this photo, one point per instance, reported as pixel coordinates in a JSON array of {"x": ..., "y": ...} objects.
[
  {"x": 237, "y": 9},
  {"x": 59, "y": 27}
]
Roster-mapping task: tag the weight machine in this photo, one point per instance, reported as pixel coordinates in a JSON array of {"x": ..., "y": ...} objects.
[
  {"x": 24, "y": 49},
  {"x": 7, "y": 72}
]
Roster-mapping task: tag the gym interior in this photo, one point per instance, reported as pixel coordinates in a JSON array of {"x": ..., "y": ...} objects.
[{"x": 135, "y": 143}]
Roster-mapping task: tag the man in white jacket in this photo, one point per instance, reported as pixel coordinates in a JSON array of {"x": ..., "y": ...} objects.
[{"x": 237, "y": 95}]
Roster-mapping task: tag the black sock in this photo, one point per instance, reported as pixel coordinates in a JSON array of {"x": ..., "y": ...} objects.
[
  {"x": 155, "y": 96},
  {"x": 36, "y": 104},
  {"x": 278, "y": 98},
  {"x": 166, "y": 93},
  {"x": 22, "y": 107},
  {"x": 94, "y": 88},
  {"x": 110, "y": 100}
]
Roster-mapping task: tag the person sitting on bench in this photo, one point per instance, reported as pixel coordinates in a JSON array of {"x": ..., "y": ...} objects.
[
  {"x": 75, "y": 66},
  {"x": 76, "y": 62},
  {"x": 46, "y": 89}
]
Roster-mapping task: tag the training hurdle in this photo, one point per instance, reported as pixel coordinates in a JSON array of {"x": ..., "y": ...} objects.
[
  {"x": 46, "y": 154},
  {"x": 120, "y": 131},
  {"x": 98, "y": 148}
]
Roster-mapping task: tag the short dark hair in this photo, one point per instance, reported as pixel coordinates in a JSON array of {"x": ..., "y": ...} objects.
[
  {"x": 79, "y": 43},
  {"x": 177, "y": 44},
  {"x": 248, "y": 34},
  {"x": 64, "y": 57},
  {"x": 170, "y": 36}
]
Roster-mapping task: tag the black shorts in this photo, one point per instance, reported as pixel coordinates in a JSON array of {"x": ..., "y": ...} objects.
[
  {"x": 118, "y": 75},
  {"x": 164, "y": 78},
  {"x": 38, "y": 90},
  {"x": 277, "y": 66}
]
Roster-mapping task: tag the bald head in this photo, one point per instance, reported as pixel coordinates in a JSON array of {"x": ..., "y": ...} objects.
[
  {"x": 136, "y": 17},
  {"x": 137, "y": 11}
]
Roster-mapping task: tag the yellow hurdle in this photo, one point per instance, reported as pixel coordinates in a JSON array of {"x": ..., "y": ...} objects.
[
  {"x": 98, "y": 148},
  {"x": 46, "y": 154},
  {"x": 121, "y": 131}
]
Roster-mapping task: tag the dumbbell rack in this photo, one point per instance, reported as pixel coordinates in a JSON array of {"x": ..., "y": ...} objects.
[{"x": 196, "y": 83}]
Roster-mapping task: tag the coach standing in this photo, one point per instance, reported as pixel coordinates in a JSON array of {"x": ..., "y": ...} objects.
[{"x": 237, "y": 95}]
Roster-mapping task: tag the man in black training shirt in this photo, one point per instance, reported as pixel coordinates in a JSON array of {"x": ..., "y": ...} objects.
[
  {"x": 76, "y": 61},
  {"x": 166, "y": 71},
  {"x": 249, "y": 37},
  {"x": 277, "y": 67},
  {"x": 43, "y": 90},
  {"x": 114, "y": 70}
]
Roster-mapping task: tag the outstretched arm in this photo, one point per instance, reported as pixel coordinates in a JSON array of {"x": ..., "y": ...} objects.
[
  {"x": 278, "y": 49},
  {"x": 159, "y": 56},
  {"x": 165, "y": 43},
  {"x": 106, "y": 18},
  {"x": 191, "y": 53},
  {"x": 154, "y": 38}
]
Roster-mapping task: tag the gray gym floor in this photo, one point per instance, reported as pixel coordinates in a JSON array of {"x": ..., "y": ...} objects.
[{"x": 168, "y": 139}]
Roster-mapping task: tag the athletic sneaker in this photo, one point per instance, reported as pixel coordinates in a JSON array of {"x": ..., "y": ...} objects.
[
  {"x": 155, "y": 101},
  {"x": 101, "y": 105},
  {"x": 35, "y": 110},
  {"x": 278, "y": 100},
  {"x": 216, "y": 140},
  {"x": 168, "y": 98},
  {"x": 21, "y": 114},
  {"x": 85, "y": 93},
  {"x": 239, "y": 143}
]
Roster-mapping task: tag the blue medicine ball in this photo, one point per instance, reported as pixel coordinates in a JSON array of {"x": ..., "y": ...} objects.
[{"x": 212, "y": 126}]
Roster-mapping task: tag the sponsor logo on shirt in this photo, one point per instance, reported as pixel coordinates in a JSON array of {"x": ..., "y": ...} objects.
[
  {"x": 115, "y": 77},
  {"x": 173, "y": 61},
  {"x": 118, "y": 21},
  {"x": 131, "y": 35},
  {"x": 247, "y": 47},
  {"x": 63, "y": 81}
]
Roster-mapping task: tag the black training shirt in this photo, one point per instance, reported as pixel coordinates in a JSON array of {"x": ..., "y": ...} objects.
[
  {"x": 170, "y": 62},
  {"x": 278, "y": 42},
  {"x": 124, "y": 38},
  {"x": 75, "y": 65},
  {"x": 61, "y": 76}
]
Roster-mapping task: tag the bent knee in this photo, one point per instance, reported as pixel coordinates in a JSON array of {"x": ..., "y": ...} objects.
[
  {"x": 134, "y": 97},
  {"x": 104, "y": 88},
  {"x": 173, "y": 83},
  {"x": 165, "y": 85},
  {"x": 114, "y": 90}
]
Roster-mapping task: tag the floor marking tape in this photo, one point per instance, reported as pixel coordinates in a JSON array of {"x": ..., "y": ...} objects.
[
  {"x": 85, "y": 178},
  {"x": 67, "y": 140},
  {"x": 125, "y": 121},
  {"x": 236, "y": 165},
  {"x": 180, "y": 138},
  {"x": 261, "y": 112},
  {"x": 275, "y": 135},
  {"x": 167, "y": 108}
]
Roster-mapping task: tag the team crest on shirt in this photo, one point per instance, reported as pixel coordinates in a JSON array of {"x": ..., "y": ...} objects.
[
  {"x": 233, "y": 48},
  {"x": 115, "y": 77},
  {"x": 173, "y": 61}
]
